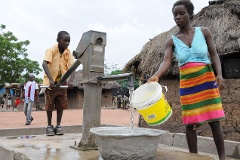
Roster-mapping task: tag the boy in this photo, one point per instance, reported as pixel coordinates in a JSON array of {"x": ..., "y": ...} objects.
[{"x": 57, "y": 60}]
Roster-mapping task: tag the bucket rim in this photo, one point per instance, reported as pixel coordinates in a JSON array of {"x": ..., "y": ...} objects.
[{"x": 142, "y": 103}]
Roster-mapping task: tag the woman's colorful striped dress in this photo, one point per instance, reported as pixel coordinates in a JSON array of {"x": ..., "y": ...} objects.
[{"x": 199, "y": 95}]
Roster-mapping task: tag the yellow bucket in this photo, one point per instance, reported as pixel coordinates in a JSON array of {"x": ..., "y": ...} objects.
[{"x": 150, "y": 102}]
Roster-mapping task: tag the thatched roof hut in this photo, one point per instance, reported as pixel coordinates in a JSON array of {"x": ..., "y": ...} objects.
[
  {"x": 13, "y": 86},
  {"x": 77, "y": 82},
  {"x": 76, "y": 94},
  {"x": 223, "y": 20}
]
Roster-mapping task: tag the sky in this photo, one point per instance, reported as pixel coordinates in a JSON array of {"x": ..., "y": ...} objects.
[{"x": 129, "y": 24}]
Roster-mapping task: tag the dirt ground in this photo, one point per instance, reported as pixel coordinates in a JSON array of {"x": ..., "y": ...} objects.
[{"x": 16, "y": 119}]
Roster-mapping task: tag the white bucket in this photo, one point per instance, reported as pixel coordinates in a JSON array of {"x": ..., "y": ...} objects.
[
  {"x": 146, "y": 94},
  {"x": 150, "y": 102}
]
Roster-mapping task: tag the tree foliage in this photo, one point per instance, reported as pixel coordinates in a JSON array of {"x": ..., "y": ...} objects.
[
  {"x": 124, "y": 88},
  {"x": 109, "y": 67},
  {"x": 15, "y": 64}
]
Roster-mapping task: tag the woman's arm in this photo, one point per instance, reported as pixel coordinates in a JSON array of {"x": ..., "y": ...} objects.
[
  {"x": 214, "y": 57},
  {"x": 166, "y": 63}
]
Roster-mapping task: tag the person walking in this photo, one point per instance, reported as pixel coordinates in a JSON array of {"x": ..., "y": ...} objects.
[
  {"x": 57, "y": 60},
  {"x": 199, "y": 87},
  {"x": 30, "y": 93},
  {"x": 9, "y": 100}
]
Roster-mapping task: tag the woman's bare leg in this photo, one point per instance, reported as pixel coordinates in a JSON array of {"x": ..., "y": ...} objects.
[
  {"x": 191, "y": 136},
  {"x": 218, "y": 138}
]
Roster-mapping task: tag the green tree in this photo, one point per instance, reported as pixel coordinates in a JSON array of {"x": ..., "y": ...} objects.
[
  {"x": 112, "y": 69},
  {"x": 15, "y": 66},
  {"x": 38, "y": 80},
  {"x": 123, "y": 83},
  {"x": 109, "y": 67}
]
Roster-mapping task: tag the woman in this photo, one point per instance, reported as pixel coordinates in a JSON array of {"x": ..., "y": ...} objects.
[{"x": 199, "y": 88}]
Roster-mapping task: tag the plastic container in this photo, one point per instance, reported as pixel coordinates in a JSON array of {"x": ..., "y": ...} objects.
[{"x": 150, "y": 102}]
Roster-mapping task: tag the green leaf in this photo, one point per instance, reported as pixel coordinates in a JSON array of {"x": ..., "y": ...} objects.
[{"x": 15, "y": 64}]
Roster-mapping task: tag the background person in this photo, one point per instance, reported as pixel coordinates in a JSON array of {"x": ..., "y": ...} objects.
[
  {"x": 125, "y": 102},
  {"x": 17, "y": 101},
  {"x": 3, "y": 100},
  {"x": 9, "y": 100},
  {"x": 199, "y": 93},
  {"x": 30, "y": 93},
  {"x": 119, "y": 101}
]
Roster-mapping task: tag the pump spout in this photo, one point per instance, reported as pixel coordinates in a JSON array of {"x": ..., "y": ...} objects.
[{"x": 125, "y": 76}]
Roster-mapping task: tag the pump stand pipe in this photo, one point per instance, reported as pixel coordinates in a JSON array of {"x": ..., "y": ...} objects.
[{"x": 125, "y": 76}]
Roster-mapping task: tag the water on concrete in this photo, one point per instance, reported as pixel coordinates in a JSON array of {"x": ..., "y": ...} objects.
[{"x": 42, "y": 147}]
